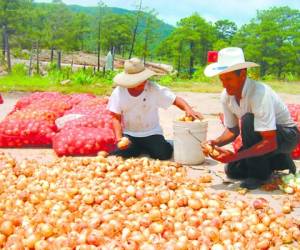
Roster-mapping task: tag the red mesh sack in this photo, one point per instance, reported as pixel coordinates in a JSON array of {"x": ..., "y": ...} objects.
[
  {"x": 38, "y": 97},
  {"x": 78, "y": 98},
  {"x": 83, "y": 141}
]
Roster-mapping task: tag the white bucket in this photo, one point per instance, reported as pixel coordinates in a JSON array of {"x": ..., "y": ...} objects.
[{"x": 187, "y": 139}]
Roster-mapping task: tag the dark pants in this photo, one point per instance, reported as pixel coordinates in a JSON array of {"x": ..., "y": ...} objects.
[
  {"x": 261, "y": 167},
  {"x": 155, "y": 146}
]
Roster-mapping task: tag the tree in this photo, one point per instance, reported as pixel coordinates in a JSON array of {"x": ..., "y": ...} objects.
[
  {"x": 273, "y": 40},
  {"x": 116, "y": 31},
  {"x": 11, "y": 16},
  {"x": 193, "y": 38},
  {"x": 225, "y": 29},
  {"x": 58, "y": 33},
  {"x": 135, "y": 29},
  {"x": 80, "y": 30},
  {"x": 148, "y": 35},
  {"x": 99, "y": 21}
]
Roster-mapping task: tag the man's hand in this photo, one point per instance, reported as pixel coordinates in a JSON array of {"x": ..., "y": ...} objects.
[
  {"x": 224, "y": 156},
  {"x": 209, "y": 148},
  {"x": 194, "y": 114},
  {"x": 123, "y": 143},
  {"x": 213, "y": 143},
  {"x": 183, "y": 105}
]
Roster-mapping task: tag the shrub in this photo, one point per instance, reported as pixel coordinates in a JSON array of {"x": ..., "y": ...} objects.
[
  {"x": 19, "y": 69},
  {"x": 83, "y": 77},
  {"x": 290, "y": 77},
  {"x": 107, "y": 77},
  {"x": 269, "y": 77},
  {"x": 199, "y": 76},
  {"x": 166, "y": 79}
]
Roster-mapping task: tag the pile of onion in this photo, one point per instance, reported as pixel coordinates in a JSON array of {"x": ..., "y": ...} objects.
[{"x": 108, "y": 203}]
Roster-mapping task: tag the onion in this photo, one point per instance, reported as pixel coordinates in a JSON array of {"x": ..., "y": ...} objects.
[
  {"x": 212, "y": 233},
  {"x": 139, "y": 194},
  {"x": 192, "y": 233},
  {"x": 7, "y": 228},
  {"x": 145, "y": 221},
  {"x": 154, "y": 215},
  {"x": 260, "y": 203},
  {"x": 95, "y": 237},
  {"x": 164, "y": 196},
  {"x": 182, "y": 201},
  {"x": 286, "y": 208},
  {"x": 41, "y": 245},
  {"x": 2, "y": 239},
  {"x": 260, "y": 228},
  {"x": 194, "y": 204},
  {"x": 217, "y": 247},
  {"x": 156, "y": 227}
]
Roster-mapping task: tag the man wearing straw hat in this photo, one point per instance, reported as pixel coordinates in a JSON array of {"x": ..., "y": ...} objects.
[
  {"x": 134, "y": 104},
  {"x": 267, "y": 129}
]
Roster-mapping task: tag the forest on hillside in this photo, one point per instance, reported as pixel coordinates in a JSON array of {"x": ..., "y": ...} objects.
[{"x": 271, "y": 38}]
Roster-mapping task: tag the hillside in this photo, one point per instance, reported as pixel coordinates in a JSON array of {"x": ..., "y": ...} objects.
[{"x": 164, "y": 28}]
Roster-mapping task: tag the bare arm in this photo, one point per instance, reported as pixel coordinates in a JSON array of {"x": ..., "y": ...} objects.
[
  {"x": 266, "y": 145},
  {"x": 183, "y": 105},
  {"x": 117, "y": 125},
  {"x": 228, "y": 136}
]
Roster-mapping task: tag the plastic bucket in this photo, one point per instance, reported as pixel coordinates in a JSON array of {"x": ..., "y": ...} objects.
[{"x": 187, "y": 139}]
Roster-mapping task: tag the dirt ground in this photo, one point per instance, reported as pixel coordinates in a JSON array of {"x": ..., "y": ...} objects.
[{"x": 207, "y": 104}]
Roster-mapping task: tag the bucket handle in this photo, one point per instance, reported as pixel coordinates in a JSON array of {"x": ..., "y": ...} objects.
[{"x": 195, "y": 137}]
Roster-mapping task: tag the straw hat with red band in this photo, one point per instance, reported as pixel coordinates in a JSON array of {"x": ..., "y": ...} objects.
[
  {"x": 134, "y": 74},
  {"x": 229, "y": 59}
]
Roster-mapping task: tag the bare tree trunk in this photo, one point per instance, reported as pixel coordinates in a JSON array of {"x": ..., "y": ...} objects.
[
  {"x": 145, "y": 48},
  {"x": 59, "y": 60},
  {"x": 123, "y": 51},
  {"x": 30, "y": 61},
  {"x": 37, "y": 58},
  {"x": 52, "y": 54},
  {"x": 135, "y": 30},
  {"x": 98, "y": 48},
  {"x": 7, "y": 48},
  {"x": 179, "y": 61},
  {"x": 191, "y": 59},
  {"x": 113, "y": 57},
  {"x": 3, "y": 44},
  {"x": 72, "y": 62}
]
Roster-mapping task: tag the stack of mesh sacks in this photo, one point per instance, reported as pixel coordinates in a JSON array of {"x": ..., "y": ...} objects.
[
  {"x": 33, "y": 122},
  {"x": 87, "y": 130}
]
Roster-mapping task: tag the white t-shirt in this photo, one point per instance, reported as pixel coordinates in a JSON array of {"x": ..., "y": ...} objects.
[
  {"x": 262, "y": 101},
  {"x": 140, "y": 113}
]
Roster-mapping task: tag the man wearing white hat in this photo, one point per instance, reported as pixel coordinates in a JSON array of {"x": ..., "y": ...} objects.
[
  {"x": 267, "y": 129},
  {"x": 134, "y": 104}
]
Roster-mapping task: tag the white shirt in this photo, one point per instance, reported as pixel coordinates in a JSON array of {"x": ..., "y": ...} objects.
[
  {"x": 140, "y": 113},
  {"x": 262, "y": 101}
]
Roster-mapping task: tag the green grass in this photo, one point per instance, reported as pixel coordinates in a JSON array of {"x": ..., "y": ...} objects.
[
  {"x": 191, "y": 86},
  {"x": 37, "y": 83},
  {"x": 285, "y": 87},
  {"x": 215, "y": 86},
  {"x": 16, "y": 82}
]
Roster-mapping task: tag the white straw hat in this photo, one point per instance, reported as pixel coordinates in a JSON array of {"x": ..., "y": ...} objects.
[
  {"x": 134, "y": 74},
  {"x": 229, "y": 59}
]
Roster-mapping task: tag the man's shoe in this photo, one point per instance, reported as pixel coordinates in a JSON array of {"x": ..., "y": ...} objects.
[{"x": 251, "y": 183}]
